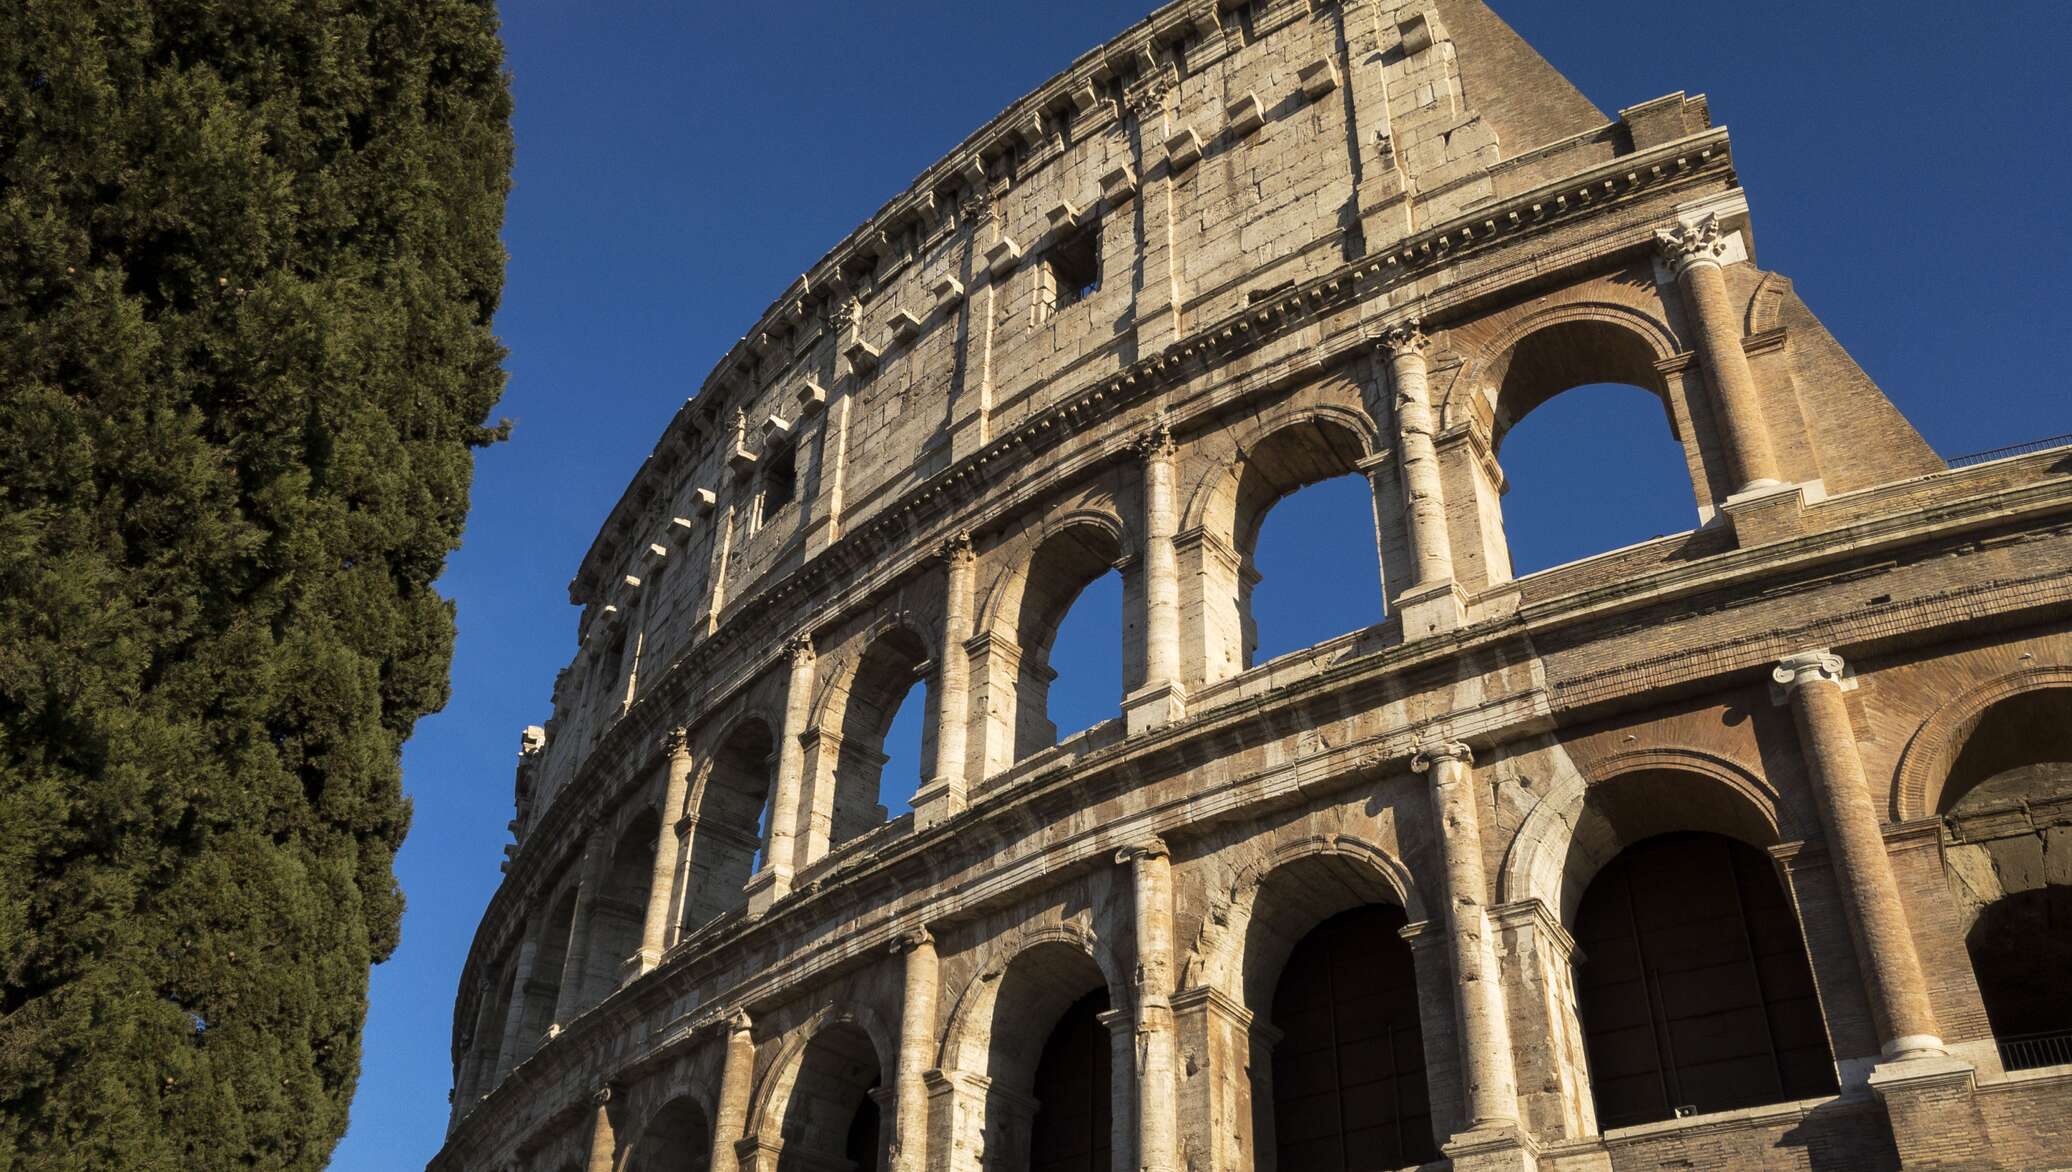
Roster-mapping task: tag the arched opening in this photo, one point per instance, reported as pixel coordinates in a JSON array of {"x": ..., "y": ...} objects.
[
  {"x": 1695, "y": 992},
  {"x": 621, "y": 905},
  {"x": 1593, "y": 472},
  {"x": 1068, "y": 626},
  {"x": 542, "y": 993},
  {"x": 2006, "y": 801},
  {"x": 1349, "y": 1087},
  {"x": 1311, "y": 575},
  {"x": 727, "y": 822},
  {"x": 831, "y": 1119},
  {"x": 909, "y": 748},
  {"x": 677, "y": 1139},
  {"x": 1026, "y": 1031},
  {"x": 1074, "y": 1122},
  {"x": 888, "y": 678}
]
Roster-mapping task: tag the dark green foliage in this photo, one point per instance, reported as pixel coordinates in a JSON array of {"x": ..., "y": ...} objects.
[{"x": 248, "y": 258}]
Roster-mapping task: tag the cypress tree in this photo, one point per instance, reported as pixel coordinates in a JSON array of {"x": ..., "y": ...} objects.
[{"x": 248, "y": 259}]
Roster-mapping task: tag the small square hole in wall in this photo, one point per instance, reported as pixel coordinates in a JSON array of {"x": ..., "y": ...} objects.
[
  {"x": 780, "y": 482},
  {"x": 1072, "y": 267}
]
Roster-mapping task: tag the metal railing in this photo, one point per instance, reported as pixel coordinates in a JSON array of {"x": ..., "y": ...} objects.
[
  {"x": 2029, "y": 1051},
  {"x": 2035, "y": 445}
]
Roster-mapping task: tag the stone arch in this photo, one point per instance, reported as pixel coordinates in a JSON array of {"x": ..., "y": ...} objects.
[
  {"x": 1244, "y": 940},
  {"x": 821, "y": 1077},
  {"x": 675, "y": 1137},
  {"x": 1585, "y": 819},
  {"x": 1214, "y": 501},
  {"x": 542, "y": 994},
  {"x": 617, "y": 913},
  {"x": 857, "y": 703},
  {"x": 1925, "y": 764},
  {"x": 1766, "y": 305},
  {"x": 1010, "y": 669},
  {"x": 730, "y": 794},
  {"x": 966, "y": 1043},
  {"x": 1555, "y": 349}
]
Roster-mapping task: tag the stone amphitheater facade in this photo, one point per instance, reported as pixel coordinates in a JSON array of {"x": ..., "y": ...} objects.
[{"x": 1745, "y": 846}]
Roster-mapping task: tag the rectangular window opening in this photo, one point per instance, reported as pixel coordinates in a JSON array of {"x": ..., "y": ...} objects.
[
  {"x": 780, "y": 480},
  {"x": 1073, "y": 266}
]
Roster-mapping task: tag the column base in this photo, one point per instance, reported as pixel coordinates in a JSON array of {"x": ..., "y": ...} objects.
[
  {"x": 1152, "y": 707},
  {"x": 1492, "y": 1148},
  {"x": 766, "y": 887},
  {"x": 1931, "y": 1102},
  {"x": 938, "y": 801},
  {"x": 1432, "y": 610},
  {"x": 1763, "y": 513}
]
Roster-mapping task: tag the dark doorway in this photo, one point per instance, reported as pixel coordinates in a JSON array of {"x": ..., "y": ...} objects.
[
  {"x": 862, "y": 1145},
  {"x": 1349, "y": 1071},
  {"x": 2021, "y": 952},
  {"x": 1695, "y": 992},
  {"x": 1073, "y": 1116}
]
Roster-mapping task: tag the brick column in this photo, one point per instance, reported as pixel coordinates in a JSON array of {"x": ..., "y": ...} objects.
[
  {"x": 771, "y": 884},
  {"x": 736, "y": 1080},
  {"x": 1693, "y": 254},
  {"x": 1162, "y": 699},
  {"x": 1433, "y": 603},
  {"x": 1151, "y": 882},
  {"x": 604, "y": 1144},
  {"x": 916, "y": 1051},
  {"x": 654, "y": 927},
  {"x": 1486, "y": 1069},
  {"x": 1812, "y": 683},
  {"x": 943, "y": 796}
]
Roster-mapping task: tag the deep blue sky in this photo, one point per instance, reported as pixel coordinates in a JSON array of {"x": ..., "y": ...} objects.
[{"x": 679, "y": 164}]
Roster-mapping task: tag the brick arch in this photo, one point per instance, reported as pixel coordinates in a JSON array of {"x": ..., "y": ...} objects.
[
  {"x": 1235, "y": 954},
  {"x": 1932, "y": 750},
  {"x": 1600, "y": 341},
  {"x": 772, "y": 1102},
  {"x": 1570, "y": 833}
]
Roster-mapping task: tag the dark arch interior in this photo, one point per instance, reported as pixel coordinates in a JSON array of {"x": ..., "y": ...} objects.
[
  {"x": 616, "y": 915},
  {"x": 726, "y": 833},
  {"x": 2020, "y": 750},
  {"x": 542, "y": 993},
  {"x": 1349, "y": 1086},
  {"x": 677, "y": 1139},
  {"x": 1695, "y": 992},
  {"x": 889, "y": 672},
  {"x": 832, "y": 1116},
  {"x": 1074, "y": 1115},
  {"x": 2021, "y": 952}
]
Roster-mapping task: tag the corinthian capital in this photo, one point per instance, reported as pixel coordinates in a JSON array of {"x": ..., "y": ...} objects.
[
  {"x": 799, "y": 648},
  {"x": 676, "y": 741},
  {"x": 1406, "y": 338},
  {"x": 1807, "y": 667},
  {"x": 1156, "y": 442},
  {"x": 955, "y": 548},
  {"x": 1430, "y": 755},
  {"x": 1699, "y": 243}
]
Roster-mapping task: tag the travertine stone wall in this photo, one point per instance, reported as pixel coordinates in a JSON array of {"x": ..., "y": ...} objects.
[{"x": 1361, "y": 237}]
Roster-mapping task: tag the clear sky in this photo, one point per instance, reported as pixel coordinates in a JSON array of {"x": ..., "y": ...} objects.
[{"x": 679, "y": 164}]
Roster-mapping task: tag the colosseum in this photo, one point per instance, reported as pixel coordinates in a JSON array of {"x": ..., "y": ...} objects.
[{"x": 1745, "y": 846}]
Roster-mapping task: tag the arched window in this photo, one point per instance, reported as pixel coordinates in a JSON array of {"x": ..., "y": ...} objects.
[
  {"x": 542, "y": 993},
  {"x": 1349, "y": 1070},
  {"x": 1084, "y": 682},
  {"x": 620, "y": 907},
  {"x": 852, "y": 761},
  {"x": 832, "y": 1115},
  {"x": 1073, "y": 571},
  {"x": 728, "y": 819},
  {"x": 2007, "y": 798},
  {"x": 1074, "y": 1118},
  {"x": 677, "y": 1139},
  {"x": 1695, "y": 992},
  {"x": 1601, "y": 465},
  {"x": 1251, "y": 590}
]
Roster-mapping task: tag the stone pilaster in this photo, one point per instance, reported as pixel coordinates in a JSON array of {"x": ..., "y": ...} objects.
[
  {"x": 507, "y": 1053},
  {"x": 1693, "y": 253},
  {"x": 604, "y": 1144},
  {"x": 1151, "y": 883},
  {"x": 916, "y": 1051},
  {"x": 1222, "y": 1075},
  {"x": 774, "y": 880},
  {"x": 654, "y": 926},
  {"x": 1162, "y": 699},
  {"x": 943, "y": 795},
  {"x": 1433, "y": 604},
  {"x": 575, "y": 963},
  {"x": 736, "y": 1081},
  {"x": 1487, "y": 1076}
]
